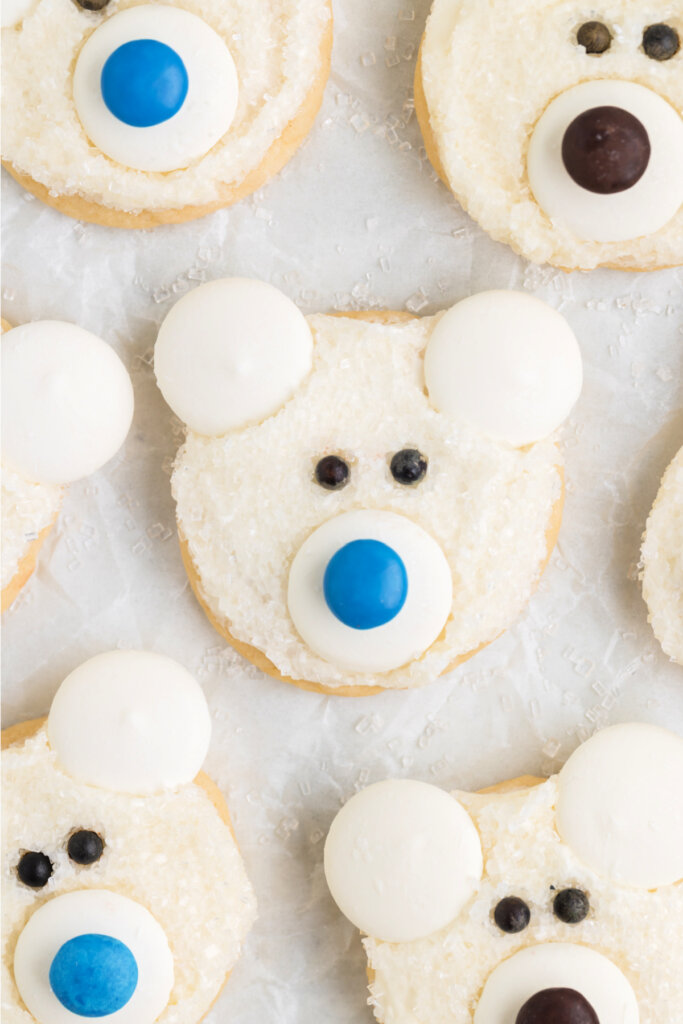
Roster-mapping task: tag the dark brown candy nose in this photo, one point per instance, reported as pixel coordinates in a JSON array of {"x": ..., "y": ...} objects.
[
  {"x": 606, "y": 150},
  {"x": 557, "y": 1006}
]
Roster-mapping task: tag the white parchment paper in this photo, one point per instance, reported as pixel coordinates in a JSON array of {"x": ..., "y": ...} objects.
[{"x": 356, "y": 220}]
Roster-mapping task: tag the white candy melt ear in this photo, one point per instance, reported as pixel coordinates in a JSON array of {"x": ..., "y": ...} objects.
[
  {"x": 507, "y": 363},
  {"x": 620, "y": 805},
  {"x": 401, "y": 859},
  {"x": 130, "y": 721},
  {"x": 67, "y": 401},
  {"x": 231, "y": 353}
]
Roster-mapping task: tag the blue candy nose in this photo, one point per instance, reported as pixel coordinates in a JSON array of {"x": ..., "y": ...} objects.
[
  {"x": 93, "y": 975},
  {"x": 365, "y": 584},
  {"x": 144, "y": 82}
]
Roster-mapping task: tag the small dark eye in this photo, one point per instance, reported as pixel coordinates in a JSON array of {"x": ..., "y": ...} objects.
[
  {"x": 408, "y": 466},
  {"x": 594, "y": 37},
  {"x": 332, "y": 473},
  {"x": 34, "y": 869},
  {"x": 85, "y": 847},
  {"x": 92, "y": 5},
  {"x": 661, "y": 42},
  {"x": 512, "y": 915},
  {"x": 571, "y": 906}
]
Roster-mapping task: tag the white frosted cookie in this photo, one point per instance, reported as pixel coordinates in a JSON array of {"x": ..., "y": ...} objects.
[
  {"x": 662, "y": 561},
  {"x": 67, "y": 406},
  {"x": 559, "y": 127},
  {"x": 135, "y": 114},
  {"x": 363, "y": 502},
  {"x": 531, "y": 902},
  {"x": 124, "y": 895}
]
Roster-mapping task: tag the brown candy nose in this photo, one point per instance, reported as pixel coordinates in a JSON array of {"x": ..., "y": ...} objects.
[
  {"x": 557, "y": 1006},
  {"x": 606, "y": 150}
]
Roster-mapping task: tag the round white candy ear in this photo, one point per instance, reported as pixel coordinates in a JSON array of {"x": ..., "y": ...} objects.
[
  {"x": 130, "y": 721},
  {"x": 620, "y": 807},
  {"x": 402, "y": 858},
  {"x": 67, "y": 401},
  {"x": 506, "y": 362},
  {"x": 230, "y": 353}
]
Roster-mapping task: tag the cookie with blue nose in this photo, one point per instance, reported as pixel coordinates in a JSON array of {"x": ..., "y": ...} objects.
[
  {"x": 363, "y": 501},
  {"x": 122, "y": 873},
  {"x": 149, "y": 113},
  {"x": 554, "y": 901}
]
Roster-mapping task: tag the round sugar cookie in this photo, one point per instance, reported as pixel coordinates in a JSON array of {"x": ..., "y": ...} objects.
[
  {"x": 131, "y": 888},
  {"x": 532, "y": 900},
  {"x": 67, "y": 406},
  {"x": 358, "y": 567},
  {"x": 559, "y": 130},
  {"x": 662, "y": 561},
  {"x": 162, "y": 111}
]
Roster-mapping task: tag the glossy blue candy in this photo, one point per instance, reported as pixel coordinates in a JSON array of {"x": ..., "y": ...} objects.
[
  {"x": 144, "y": 82},
  {"x": 93, "y": 975},
  {"x": 365, "y": 584}
]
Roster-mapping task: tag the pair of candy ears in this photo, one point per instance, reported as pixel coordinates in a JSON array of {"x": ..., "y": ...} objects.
[
  {"x": 403, "y": 858},
  {"x": 232, "y": 352}
]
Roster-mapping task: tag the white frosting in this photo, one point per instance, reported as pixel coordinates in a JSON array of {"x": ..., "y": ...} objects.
[
  {"x": 620, "y": 806},
  {"x": 410, "y": 632},
  {"x": 277, "y": 50},
  {"x": 640, "y": 210},
  {"x": 508, "y": 363},
  {"x": 662, "y": 558},
  {"x": 67, "y": 401},
  {"x": 208, "y": 109},
  {"x": 95, "y": 912},
  {"x": 557, "y": 965},
  {"x": 489, "y": 72},
  {"x": 12, "y": 12},
  {"x": 402, "y": 858},
  {"x": 170, "y": 853},
  {"x": 440, "y": 978},
  {"x": 130, "y": 721},
  {"x": 27, "y": 509},
  {"x": 231, "y": 352},
  {"x": 487, "y": 505}
]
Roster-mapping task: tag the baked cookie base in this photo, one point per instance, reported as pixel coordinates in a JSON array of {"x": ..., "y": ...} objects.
[
  {"x": 432, "y": 150},
  {"x": 275, "y": 159},
  {"x": 25, "y": 568},
  {"x": 258, "y": 658}
]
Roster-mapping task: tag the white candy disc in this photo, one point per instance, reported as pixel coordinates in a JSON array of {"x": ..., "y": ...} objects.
[
  {"x": 14, "y": 11},
  {"x": 231, "y": 352},
  {"x": 507, "y": 362},
  {"x": 410, "y": 632},
  {"x": 202, "y": 118},
  {"x": 67, "y": 401},
  {"x": 640, "y": 210},
  {"x": 557, "y": 965},
  {"x": 620, "y": 805},
  {"x": 130, "y": 721},
  {"x": 402, "y": 859},
  {"x": 94, "y": 912}
]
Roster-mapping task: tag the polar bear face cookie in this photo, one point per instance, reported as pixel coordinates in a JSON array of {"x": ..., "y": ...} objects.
[
  {"x": 124, "y": 894},
  {"x": 662, "y": 561},
  {"x": 134, "y": 113},
  {"x": 362, "y": 502},
  {"x": 530, "y": 903},
  {"x": 559, "y": 125},
  {"x": 67, "y": 406}
]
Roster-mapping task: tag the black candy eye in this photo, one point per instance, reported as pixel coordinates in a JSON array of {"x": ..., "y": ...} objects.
[
  {"x": 332, "y": 473},
  {"x": 34, "y": 869},
  {"x": 512, "y": 915},
  {"x": 92, "y": 5},
  {"x": 661, "y": 42},
  {"x": 594, "y": 37},
  {"x": 85, "y": 847},
  {"x": 571, "y": 906},
  {"x": 408, "y": 466}
]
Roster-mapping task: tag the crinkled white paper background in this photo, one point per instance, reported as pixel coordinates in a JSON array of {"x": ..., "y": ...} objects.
[{"x": 356, "y": 220}]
